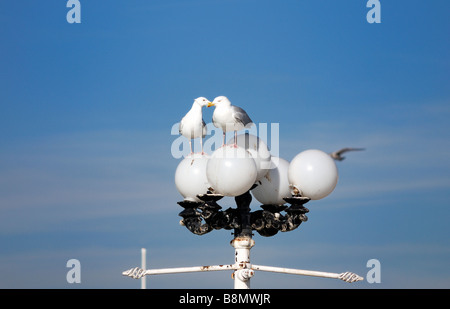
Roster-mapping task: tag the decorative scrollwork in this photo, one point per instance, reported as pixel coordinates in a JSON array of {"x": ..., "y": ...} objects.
[
  {"x": 135, "y": 273},
  {"x": 350, "y": 277},
  {"x": 203, "y": 217}
]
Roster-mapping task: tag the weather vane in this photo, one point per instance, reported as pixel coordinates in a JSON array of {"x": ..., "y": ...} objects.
[{"x": 240, "y": 169}]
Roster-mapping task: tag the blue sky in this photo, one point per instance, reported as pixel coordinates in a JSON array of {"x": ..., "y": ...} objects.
[{"x": 86, "y": 112}]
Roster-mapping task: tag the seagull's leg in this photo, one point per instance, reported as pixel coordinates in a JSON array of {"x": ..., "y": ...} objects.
[
  {"x": 190, "y": 145},
  {"x": 235, "y": 139},
  {"x": 201, "y": 145},
  {"x": 223, "y": 143}
]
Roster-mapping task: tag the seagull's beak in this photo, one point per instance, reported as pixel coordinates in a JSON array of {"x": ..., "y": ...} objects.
[{"x": 210, "y": 104}]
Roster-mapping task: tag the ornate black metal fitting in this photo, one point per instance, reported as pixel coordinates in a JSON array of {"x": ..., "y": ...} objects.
[{"x": 203, "y": 217}]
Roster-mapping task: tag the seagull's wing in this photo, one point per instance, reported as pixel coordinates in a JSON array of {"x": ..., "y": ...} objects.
[
  {"x": 205, "y": 130},
  {"x": 337, "y": 155},
  {"x": 341, "y": 151},
  {"x": 241, "y": 116}
]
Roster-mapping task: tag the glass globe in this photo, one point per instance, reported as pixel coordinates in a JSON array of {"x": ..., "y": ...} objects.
[
  {"x": 231, "y": 170},
  {"x": 313, "y": 173},
  {"x": 190, "y": 176},
  {"x": 258, "y": 150},
  {"x": 274, "y": 186}
]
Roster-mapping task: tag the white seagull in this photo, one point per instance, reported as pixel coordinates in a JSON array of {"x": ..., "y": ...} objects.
[
  {"x": 229, "y": 117},
  {"x": 192, "y": 125},
  {"x": 337, "y": 155}
]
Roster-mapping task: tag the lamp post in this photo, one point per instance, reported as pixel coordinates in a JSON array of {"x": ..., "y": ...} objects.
[{"x": 239, "y": 171}]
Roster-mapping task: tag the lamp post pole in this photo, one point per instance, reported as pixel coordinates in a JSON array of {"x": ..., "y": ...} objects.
[
  {"x": 244, "y": 271},
  {"x": 242, "y": 243}
]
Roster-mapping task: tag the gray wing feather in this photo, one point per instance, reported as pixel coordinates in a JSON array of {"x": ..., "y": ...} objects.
[
  {"x": 341, "y": 151},
  {"x": 205, "y": 130},
  {"x": 241, "y": 116}
]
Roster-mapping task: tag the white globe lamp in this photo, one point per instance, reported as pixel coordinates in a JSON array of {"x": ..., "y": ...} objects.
[
  {"x": 258, "y": 150},
  {"x": 231, "y": 170},
  {"x": 190, "y": 176},
  {"x": 274, "y": 186},
  {"x": 313, "y": 173}
]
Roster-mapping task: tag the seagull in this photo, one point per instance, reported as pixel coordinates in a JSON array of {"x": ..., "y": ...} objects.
[
  {"x": 337, "y": 155},
  {"x": 192, "y": 124},
  {"x": 229, "y": 117}
]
